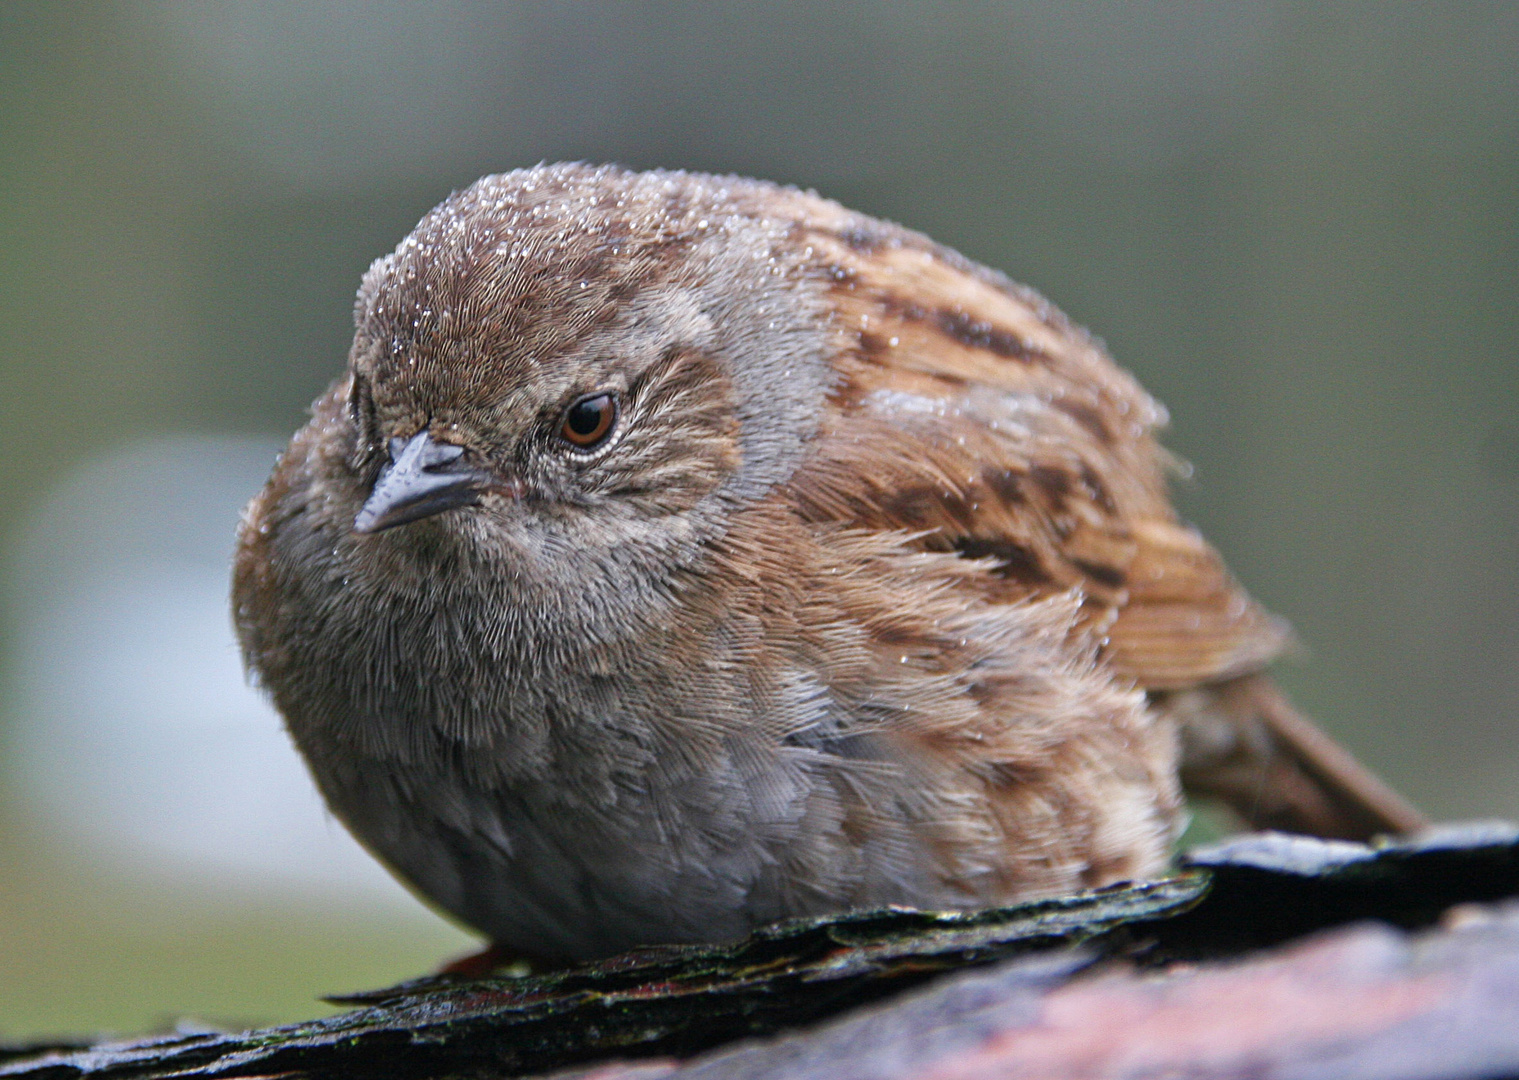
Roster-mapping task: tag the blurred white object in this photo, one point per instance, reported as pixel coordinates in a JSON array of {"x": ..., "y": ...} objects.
[{"x": 131, "y": 725}]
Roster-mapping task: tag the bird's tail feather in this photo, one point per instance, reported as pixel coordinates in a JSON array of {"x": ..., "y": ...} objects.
[{"x": 1244, "y": 744}]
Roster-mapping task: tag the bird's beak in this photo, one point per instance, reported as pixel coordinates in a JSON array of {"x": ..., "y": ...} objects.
[{"x": 422, "y": 478}]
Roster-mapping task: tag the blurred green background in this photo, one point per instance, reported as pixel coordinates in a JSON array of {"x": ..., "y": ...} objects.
[{"x": 1298, "y": 224}]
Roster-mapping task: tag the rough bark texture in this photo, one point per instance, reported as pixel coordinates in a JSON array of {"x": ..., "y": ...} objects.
[{"x": 1268, "y": 956}]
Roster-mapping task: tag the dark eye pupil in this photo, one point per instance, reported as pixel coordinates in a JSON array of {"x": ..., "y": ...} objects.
[
  {"x": 585, "y": 416},
  {"x": 589, "y": 420}
]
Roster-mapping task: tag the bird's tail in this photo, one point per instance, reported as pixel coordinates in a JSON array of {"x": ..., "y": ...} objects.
[{"x": 1244, "y": 744}]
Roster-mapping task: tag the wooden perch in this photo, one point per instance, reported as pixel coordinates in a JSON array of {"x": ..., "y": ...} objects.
[{"x": 1158, "y": 978}]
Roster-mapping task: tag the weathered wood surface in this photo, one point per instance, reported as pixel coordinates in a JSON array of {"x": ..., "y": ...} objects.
[{"x": 1187, "y": 976}]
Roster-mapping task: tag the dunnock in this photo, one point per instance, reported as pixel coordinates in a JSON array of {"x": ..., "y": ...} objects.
[{"x": 679, "y": 553}]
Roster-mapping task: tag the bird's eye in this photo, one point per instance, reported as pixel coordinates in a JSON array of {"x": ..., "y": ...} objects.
[{"x": 589, "y": 421}]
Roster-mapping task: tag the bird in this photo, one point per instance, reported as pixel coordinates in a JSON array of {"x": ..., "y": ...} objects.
[{"x": 680, "y": 553}]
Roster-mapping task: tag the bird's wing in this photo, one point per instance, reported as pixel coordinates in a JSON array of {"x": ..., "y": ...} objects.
[{"x": 973, "y": 414}]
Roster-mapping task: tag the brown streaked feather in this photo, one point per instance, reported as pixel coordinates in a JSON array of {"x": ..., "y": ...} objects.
[
  {"x": 1030, "y": 770},
  {"x": 1186, "y": 622},
  {"x": 972, "y": 412}
]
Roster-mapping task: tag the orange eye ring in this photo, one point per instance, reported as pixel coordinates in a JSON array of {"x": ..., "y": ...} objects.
[{"x": 589, "y": 421}]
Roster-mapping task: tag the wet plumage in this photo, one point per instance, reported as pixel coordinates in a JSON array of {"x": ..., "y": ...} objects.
[{"x": 679, "y": 553}]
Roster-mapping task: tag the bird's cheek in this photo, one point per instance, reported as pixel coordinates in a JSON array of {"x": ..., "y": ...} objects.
[{"x": 503, "y": 493}]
